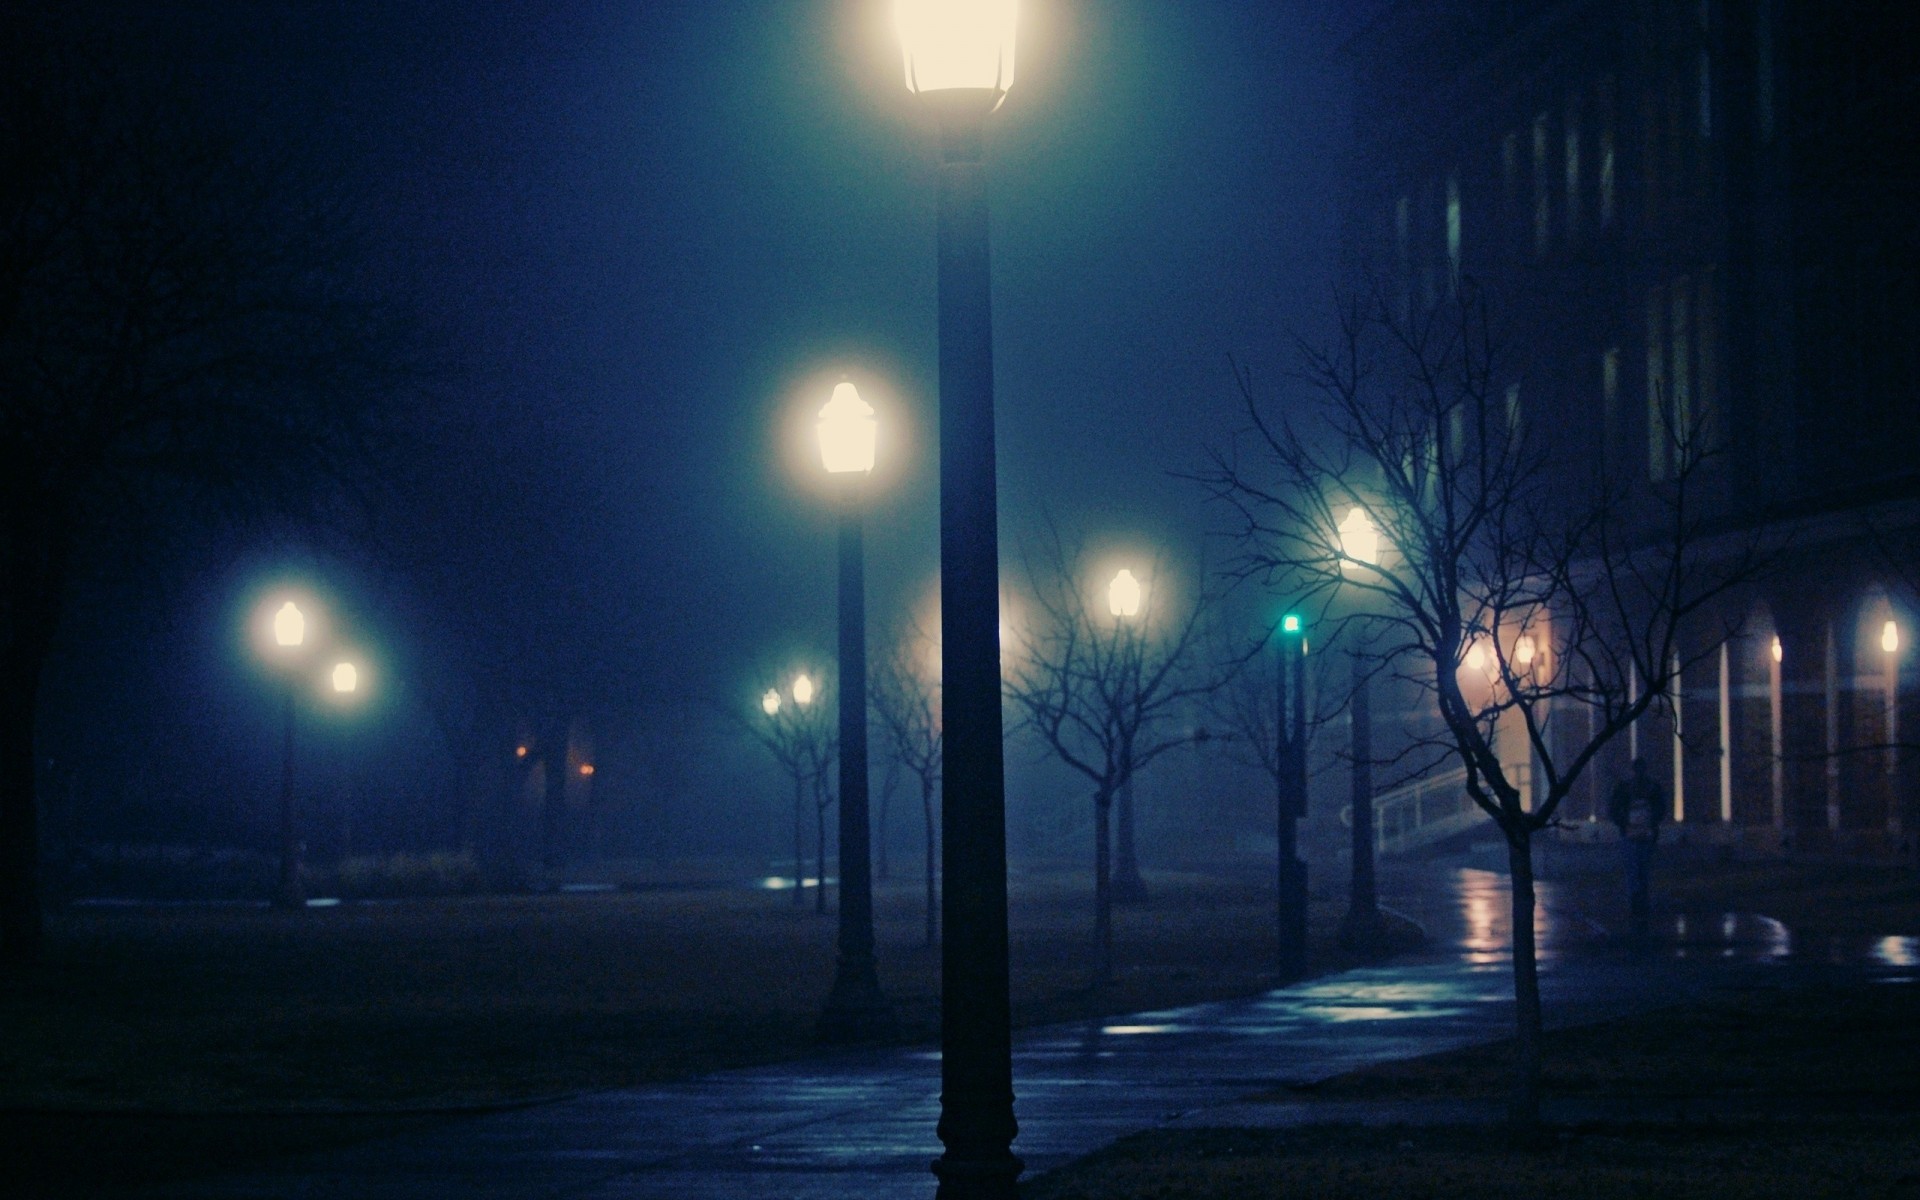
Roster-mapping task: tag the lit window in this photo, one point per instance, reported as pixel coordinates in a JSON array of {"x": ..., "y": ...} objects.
[{"x": 1513, "y": 412}]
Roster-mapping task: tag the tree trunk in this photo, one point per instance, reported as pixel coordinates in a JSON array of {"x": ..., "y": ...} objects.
[
  {"x": 820, "y": 857},
  {"x": 1102, "y": 888},
  {"x": 1128, "y": 887},
  {"x": 933, "y": 903},
  {"x": 1523, "y": 1111},
  {"x": 799, "y": 840},
  {"x": 33, "y": 571},
  {"x": 21, "y": 929},
  {"x": 882, "y": 868},
  {"x": 1360, "y": 928}
]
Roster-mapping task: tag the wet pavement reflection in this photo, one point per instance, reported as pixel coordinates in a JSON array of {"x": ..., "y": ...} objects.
[{"x": 862, "y": 1124}]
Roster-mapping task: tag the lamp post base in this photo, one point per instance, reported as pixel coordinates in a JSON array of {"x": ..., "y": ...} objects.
[
  {"x": 856, "y": 1011},
  {"x": 1292, "y": 959},
  {"x": 991, "y": 1178}
]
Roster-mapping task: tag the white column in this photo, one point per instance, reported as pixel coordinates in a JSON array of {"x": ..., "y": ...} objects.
[
  {"x": 1776, "y": 733},
  {"x": 1726, "y": 738}
]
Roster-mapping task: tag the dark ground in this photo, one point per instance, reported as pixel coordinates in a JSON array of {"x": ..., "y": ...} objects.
[{"x": 154, "y": 1041}]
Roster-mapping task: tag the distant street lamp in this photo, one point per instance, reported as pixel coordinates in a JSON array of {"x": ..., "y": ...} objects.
[
  {"x": 959, "y": 60},
  {"x": 855, "y": 1009},
  {"x": 344, "y": 681},
  {"x": 1360, "y": 927},
  {"x": 346, "y": 678},
  {"x": 290, "y": 636},
  {"x": 1124, "y": 596}
]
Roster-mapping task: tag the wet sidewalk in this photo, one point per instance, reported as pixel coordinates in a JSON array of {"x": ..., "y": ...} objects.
[{"x": 862, "y": 1124}]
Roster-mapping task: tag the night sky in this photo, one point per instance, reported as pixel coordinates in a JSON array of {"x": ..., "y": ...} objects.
[{"x": 658, "y": 232}]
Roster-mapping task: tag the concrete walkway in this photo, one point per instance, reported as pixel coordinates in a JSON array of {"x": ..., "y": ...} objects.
[{"x": 862, "y": 1124}]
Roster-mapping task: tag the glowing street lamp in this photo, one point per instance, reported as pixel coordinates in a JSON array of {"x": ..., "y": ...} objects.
[
  {"x": 1123, "y": 601},
  {"x": 289, "y": 628},
  {"x": 958, "y": 46},
  {"x": 346, "y": 678},
  {"x": 803, "y": 689},
  {"x": 1360, "y": 548},
  {"x": 855, "y": 1009},
  {"x": 848, "y": 432},
  {"x": 959, "y": 59},
  {"x": 769, "y": 704},
  {"x": 1290, "y": 763}
]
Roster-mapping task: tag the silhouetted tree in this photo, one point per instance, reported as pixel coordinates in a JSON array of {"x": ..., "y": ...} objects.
[
  {"x": 1102, "y": 690},
  {"x": 801, "y": 738},
  {"x": 1508, "y": 586},
  {"x": 188, "y": 327},
  {"x": 906, "y": 697}
]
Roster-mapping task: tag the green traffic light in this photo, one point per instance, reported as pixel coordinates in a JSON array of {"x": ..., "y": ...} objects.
[{"x": 1290, "y": 623}]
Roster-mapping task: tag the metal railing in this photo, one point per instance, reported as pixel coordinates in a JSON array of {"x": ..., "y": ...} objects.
[{"x": 1420, "y": 813}]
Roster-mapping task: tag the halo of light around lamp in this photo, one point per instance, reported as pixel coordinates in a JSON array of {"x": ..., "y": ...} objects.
[
  {"x": 848, "y": 432},
  {"x": 957, "y": 45}
]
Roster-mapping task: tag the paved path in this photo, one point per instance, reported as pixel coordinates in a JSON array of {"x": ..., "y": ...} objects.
[{"x": 861, "y": 1124}]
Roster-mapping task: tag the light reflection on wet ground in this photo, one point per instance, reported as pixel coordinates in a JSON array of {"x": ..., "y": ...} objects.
[{"x": 862, "y": 1125}]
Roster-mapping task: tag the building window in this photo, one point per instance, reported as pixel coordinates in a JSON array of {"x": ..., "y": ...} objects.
[
  {"x": 1609, "y": 403},
  {"x": 1453, "y": 232},
  {"x": 1510, "y": 170},
  {"x": 1573, "y": 169},
  {"x": 1542, "y": 194},
  {"x": 1513, "y": 414},
  {"x": 1707, "y": 331},
  {"x": 1659, "y": 443},
  {"x": 1423, "y": 245},
  {"x": 1606, "y": 177},
  {"x": 1680, "y": 369}
]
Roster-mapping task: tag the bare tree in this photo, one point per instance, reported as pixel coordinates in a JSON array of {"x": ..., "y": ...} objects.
[
  {"x": 1102, "y": 689},
  {"x": 187, "y": 326},
  {"x": 799, "y": 734},
  {"x": 1540, "y": 610},
  {"x": 906, "y": 697}
]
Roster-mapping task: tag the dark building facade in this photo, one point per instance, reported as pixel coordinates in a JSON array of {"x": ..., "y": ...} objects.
[{"x": 1697, "y": 214}]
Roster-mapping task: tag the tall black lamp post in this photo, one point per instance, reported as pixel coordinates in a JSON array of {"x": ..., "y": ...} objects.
[
  {"x": 856, "y": 1010},
  {"x": 289, "y": 639},
  {"x": 1290, "y": 760},
  {"x": 959, "y": 59}
]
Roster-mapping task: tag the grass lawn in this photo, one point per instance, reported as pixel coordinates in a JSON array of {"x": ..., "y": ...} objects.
[
  {"x": 473, "y": 1001},
  {"x": 151, "y": 1042}
]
